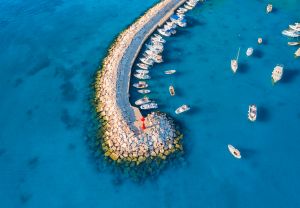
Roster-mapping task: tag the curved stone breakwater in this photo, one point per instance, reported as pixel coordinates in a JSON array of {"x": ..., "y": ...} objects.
[{"x": 122, "y": 138}]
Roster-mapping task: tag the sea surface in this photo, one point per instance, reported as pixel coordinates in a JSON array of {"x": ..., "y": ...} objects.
[{"x": 50, "y": 51}]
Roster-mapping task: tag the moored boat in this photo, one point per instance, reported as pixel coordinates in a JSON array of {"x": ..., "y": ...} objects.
[
  {"x": 164, "y": 32},
  {"x": 235, "y": 152},
  {"x": 140, "y": 84},
  {"x": 249, "y": 51},
  {"x": 259, "y": 40},
  {"x": 234, "y": 62},
  {"x": 143, "y": 66},
  {"x": 252, "y": 112},
  {"x": 144, "y": 91},
  {"x": 291, "y": 33},
  {"x": 142, "y": 71},
  {"x": 149, "y": 106},
  {"x": 277, "y": 73},
  {"x": 182, "y": 109},
  {"x": 172, "y": 71},
  {"x": 269, "y": 8},
  {"x": 295, "y": 27},
  {"x": 142, "y": 76},
  {"x": 294, "y": 43},
  {"x": 142, "y": 101},
  {"x": 172, "y": 90},
  {"x": 297, "y": 53},
  {"x": 147, "y": 61}
]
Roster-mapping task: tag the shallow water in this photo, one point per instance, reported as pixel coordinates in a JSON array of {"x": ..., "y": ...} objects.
[{"x": 50, "y": 51}]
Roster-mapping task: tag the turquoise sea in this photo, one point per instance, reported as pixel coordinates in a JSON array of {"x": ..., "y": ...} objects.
[{"x": 50, "y": 51}]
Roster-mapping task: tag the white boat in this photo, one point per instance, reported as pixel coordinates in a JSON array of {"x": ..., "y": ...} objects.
[
  {"x": 181, "y": 23},
  {"x": 269, "y": 8},
  {"x": 142, "y": 76},
  {"x": 182, "y": 109},
  {"x": 294, "y": 43},
  {"x": 149, "y": 106},
  {"x": 235, "y": 152},
  {"x": 144, "y": 91},
  {"x": 297, "y": 53},
  {"x": 163, "y": 32},
  {"x": 170, "y": 71},
  {"x": 252, "y": 112},
  {"x": 277, "y": 73},
  {"x": 154, "y": 49},
  {"x": 291, "y": 33},
  {"x": 235, "y": 63},
  {"x": 171, "y": 24},
  {"x": 249, "y": 51},
  {"x": 259, "y": 40},
  {"x": 142, "y": 71},
  {"x": 295, "y": 27},
  {"x": 140, "y": 84},
  {"x": 147, "y": 61},
  {"x": 172, "y": 90},
  {"x": 160, "y": 40},
  {"x": 142, "y": 101},
  {"x": 187, "y": 6},
  {"x": 143, "y": 66}
]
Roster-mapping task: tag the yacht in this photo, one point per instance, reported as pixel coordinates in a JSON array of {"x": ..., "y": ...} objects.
[
  {"x": 277, "y": 73},
  {"x": 291, "y": 33},
  {"x": 294, "y": 43},
  {"x": 170, "y": 71},
  {"x": 142, "y": 101},
  {"x": 164, "y": 32},
  {"x": 172, "y": 90},
  {"x": 187, "y": 6},
  {"x": 269, "y": 8},
  {"x": 143, "y": 66},
  {"x": 160, "y": 40},
  {"x": 171, "y": 24},
  {"x": 144, "y": 91},
  {"x": 149, "y": 106},
  {"x": 140, "y": 84},
  {"x": 142, "y": 71},
  {"x": 235, "y": 152},
  {"x": 182, "y": 109},
  {"x": 252, "y": 112},
  {"x": 142, "y": 76},
  {"x": 154, "y": 49},
  {"x": 295, "y": 27},
  {"x": 297, "y": 53},
  {"x": 146, "y": 61},
  {"x": 234, "y": 62},
  {"x": 249, "y": 51}
]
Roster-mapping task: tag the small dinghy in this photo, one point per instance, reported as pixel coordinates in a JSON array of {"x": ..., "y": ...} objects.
[
  {"x": 259, "y": 40},
  {"x": 293, "y": 43},
  {"x": 170, "y": 71},
  {"x": 182, "y": 109},
  {"x": 149, "y": 106},
  {"x": 144, "y": 91},
  {"x": 235, "y": 152},
  {"x": 297, "y": 53},
  {"x": 277, "y": 73},
  {"x": 142, "y": 101},
  {"x": 143, "y": 66},
  {"x": 142, "y": 76},
  {"x": 252, "y": 113},
  {"x": 269, "y": 8},
  {"x": 140, "y": 84},
  {"x": 235, "y": 63},
  {"x": 249, "y": 51},
  {"x": 172, "y": 90}
]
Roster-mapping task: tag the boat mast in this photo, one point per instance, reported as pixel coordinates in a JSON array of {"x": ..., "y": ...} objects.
[{"x": 238, "y": 54}]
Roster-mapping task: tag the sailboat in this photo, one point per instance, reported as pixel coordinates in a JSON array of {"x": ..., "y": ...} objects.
[{"x": 234, "y": 62}]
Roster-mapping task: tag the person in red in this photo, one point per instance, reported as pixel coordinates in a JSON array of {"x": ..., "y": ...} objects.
[{"x": 143, "y": 125}]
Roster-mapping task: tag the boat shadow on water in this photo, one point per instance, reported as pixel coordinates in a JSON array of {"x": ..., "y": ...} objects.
[
  {"x": 193, "y": 22},
  {"x": 247, "y": 153},
  {"x": 263, "y": 114},
  {"x": 290, "y": 75},
  {"x": 258, "y": 53},
  {"x": 243, "y": 68}
]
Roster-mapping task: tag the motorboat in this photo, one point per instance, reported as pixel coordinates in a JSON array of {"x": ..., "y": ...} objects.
[
  {"x": 170, "y": 71},
  {"x": 293, "y": 43},
  {"x": 191, "y": 3},
  {"x": 150, "y": 53},
  {"x": 142, "y": 101},
  {"x": 171, "y": 24},
  {"x": 291, "y": 33},
  {"x": 149, "y": 106},
  {"x": 295, "y": 27},
  {"x": 297, "y": 53},
  {"x": 140, "y": 84},
  {"x": 164, "y": 32},
  {"x": 249, "y": 51},
  {"x": 147, "y": 61},
  {"x": 235, "y": 152},
  {"x": 259, "y": 40},
  {"x": 160, "y": 40},
  {"x": 144, "y": 91},
  {"x": 142, "y": 76},
  {"x": 235, "y": 63},
  {"x": 181, "y": 23},
  {"x": 154, "y": 49},
  {"x": 277, "y": 73},
  {"x": 158, "y": 36},
  {"x": 142, "y": 71},
  {"x": 182, "y": 109},
  {"x": 269, "y": 8},
  {"x": 252, "y": 112},
  {"x": 172, "y": 90},
  {"x": 143, "y": 66}
]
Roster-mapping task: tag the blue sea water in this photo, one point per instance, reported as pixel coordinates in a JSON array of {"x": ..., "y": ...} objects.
[{"x": 50, "y": 51}]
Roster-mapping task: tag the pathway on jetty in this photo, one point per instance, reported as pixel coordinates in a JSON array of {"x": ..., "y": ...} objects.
[{"x": 123, "y": 137}]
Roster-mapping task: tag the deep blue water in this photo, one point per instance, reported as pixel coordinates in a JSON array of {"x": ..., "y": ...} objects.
[{"x": 49, "y": 53}]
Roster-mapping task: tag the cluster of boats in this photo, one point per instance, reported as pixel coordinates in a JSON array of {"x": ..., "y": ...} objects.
[
  {"x": 152, "y": 55},
  {"x": 293, "y": 32}
]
